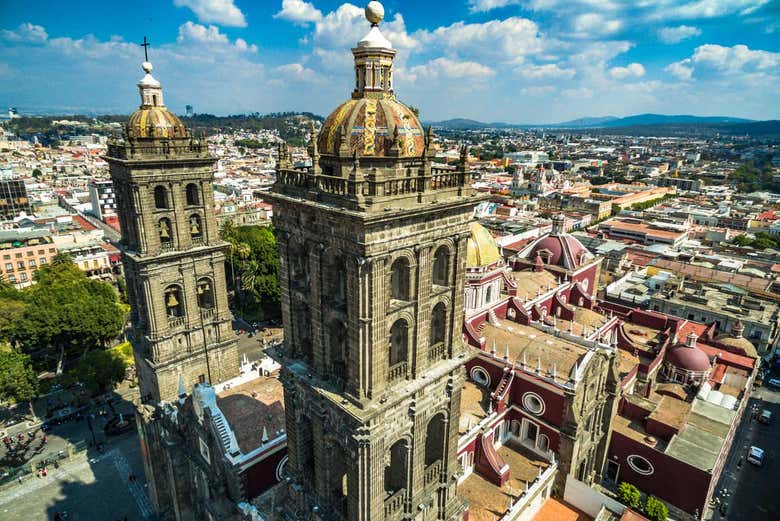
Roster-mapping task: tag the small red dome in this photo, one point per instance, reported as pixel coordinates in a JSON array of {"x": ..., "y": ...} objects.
[
  {"x": 560, "y": 250},
  {"x": 689, "y": 358}
]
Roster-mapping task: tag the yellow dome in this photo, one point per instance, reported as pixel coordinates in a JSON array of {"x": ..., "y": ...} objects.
[
  {"x": 367, "y": 126},
  {"x": 482, "y": 248},
  {"x": 155, "y": 122},
  {"x": 738, "y": 343}
]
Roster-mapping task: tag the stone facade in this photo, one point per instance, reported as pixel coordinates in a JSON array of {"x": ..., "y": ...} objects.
[
  {"x": 172, "y": 254},
  {"x": 373, "y": 246}
]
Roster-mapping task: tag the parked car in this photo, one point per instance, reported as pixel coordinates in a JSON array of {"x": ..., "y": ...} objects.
[
  {"x": 756, "y": 456},
  {"x": 765, "y": 417},
  {"x": 774, "y": 382}
]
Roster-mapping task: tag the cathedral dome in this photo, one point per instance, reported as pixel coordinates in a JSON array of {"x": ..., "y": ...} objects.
[
  {"x": 482, "y": 248},
  {"x": 155, "y": 122},
  {"x": 152, "y": 119},
  {"x": 558, "y": 248},
  {"x": 737, "y": 341},
  {"x": 373, "y": 123},
  {"x": 369, "y": 127},
  {"x": 688, "y": 357}
]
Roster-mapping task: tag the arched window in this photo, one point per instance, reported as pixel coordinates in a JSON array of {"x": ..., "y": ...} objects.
[
  {"x": 160, "y": 197},
  {"x": 165, "y": 231},
  {"x": 395, "y": 472},
  {"x": 441, "y": 266},
  {"x": 336, "y": 280},
  {"x": 193, "y": 198},
  {"x": 399, "y": 279},
  {"x": 196, "y": 226},
  {"x": 305, "y": 446},
  {"x": 174, "y": 303},
  {"x": 438, "y": 324},
  {"x": 205, "y": 294},
  {"x": 489, "y": 294},
  {"x": 399, "y": 342},
  {"x": 434, "y": 440},
  {"x": 337, "y": 342}
]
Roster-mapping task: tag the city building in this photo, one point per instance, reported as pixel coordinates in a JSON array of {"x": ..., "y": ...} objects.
[
  {"x": 22, "y": 252},
  {"x": 639, "y": 231},
  {"x": 13, "y": 198},
  {"x": 103, "y": 199}
]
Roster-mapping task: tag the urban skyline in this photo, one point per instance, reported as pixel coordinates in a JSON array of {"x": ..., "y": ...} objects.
[{"x": 501, "y": 60}]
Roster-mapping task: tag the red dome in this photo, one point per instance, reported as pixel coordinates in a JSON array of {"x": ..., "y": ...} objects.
[
  {"x": 560, "y": 250},
  {"x": 689, "y": 358}
]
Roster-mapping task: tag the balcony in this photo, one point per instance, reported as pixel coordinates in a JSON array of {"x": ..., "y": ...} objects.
[
  {"x": 198, "y": 242},
  {"x": 436, "y": 352},
  {"x": 397, "y": 371},
  {"x": 206, "y": 313},
  {"x": 432, "y": 473},
  {"x": 167, "y": 246},
  {"x": 395, "y": 503},
  {"x": 174, "y": 321}
]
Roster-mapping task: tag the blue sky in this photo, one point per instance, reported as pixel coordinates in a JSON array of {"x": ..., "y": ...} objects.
[{"x": 523, "y": 61}]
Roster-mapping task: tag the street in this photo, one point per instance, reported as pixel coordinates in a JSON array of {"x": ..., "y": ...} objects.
[
  {"x": 753, "y": 491},
  {"x": 97, "y": 487}
]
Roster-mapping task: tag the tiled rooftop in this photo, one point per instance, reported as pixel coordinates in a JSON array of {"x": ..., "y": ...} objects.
[
  {"x": 250, "y": 407},
  {"x": 487, "y": 501},
  {"x": 537, "y": 345},
  {"x": 555, "y": 510}
]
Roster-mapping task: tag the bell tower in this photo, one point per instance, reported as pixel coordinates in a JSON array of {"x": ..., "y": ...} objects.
[
  {"x": 172, "y": 255},
  {"x": 373, "y": 245}
]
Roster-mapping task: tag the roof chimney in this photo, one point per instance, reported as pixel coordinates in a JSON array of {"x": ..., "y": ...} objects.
[{"x": 692, "y": 337}]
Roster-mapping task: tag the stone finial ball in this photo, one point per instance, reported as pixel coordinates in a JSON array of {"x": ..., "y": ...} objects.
[
  {"x": 375, "y": 12},
  {"x": 147, "y": 67}
]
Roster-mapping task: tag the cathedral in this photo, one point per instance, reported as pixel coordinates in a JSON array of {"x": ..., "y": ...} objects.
[{"x": 424, "y": 373}]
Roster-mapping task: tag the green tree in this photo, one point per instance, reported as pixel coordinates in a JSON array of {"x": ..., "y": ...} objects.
[
  {"x": 100, "y": 371},
  {"x": 36, "y": 173},
  {"x": 67, "y": 312},
  {"x": 18, "y": 382},
  {"x": 254, "y": 267},
  {"x": 629, "y": 495},
  {"x": 655, "y": 509}
]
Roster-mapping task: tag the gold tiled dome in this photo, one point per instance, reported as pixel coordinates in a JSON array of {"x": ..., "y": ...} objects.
[
  {"x": 367, "y": 126},
  {"x": 482, "y": 248},
  {"x": 155, "y": 122}
]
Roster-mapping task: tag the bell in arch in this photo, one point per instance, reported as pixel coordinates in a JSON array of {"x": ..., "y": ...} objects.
[
  {"x": 194, "y": 228},
  {"x": 172, "y": 301},
  {"x": 164, "y": 231}
]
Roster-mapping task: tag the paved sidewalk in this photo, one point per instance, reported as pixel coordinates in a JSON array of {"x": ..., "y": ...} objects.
[{"x": 94, "y": 488}]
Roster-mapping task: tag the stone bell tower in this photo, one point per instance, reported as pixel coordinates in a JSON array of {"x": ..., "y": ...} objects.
[
  {"x": 373, "y": 244},
  {"x": 172, "y": 255}
]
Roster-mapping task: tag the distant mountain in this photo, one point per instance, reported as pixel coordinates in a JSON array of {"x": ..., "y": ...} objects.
[
  {"x": 597, "y": 122},
  {"x": 663, "y": 119},
  {"x": 587, "y": 122}
]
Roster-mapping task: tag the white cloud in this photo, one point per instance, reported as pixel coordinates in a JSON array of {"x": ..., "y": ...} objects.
[
  {"x": 699, "y": 9},
  {"x": 594, "y": 24},
  {"x": 547, "y": 71},
  {"x": 221, "y": 12},
  {"x": 677, "y": 34},
  {"x": 200, "y": 34},
  {"x": 510, "y": 40},
  {"x": 681, "y": 70},
  {"x": 632, "y": 70},
  {"x": 347, "y": 24},
  {"x": 296, "y": 71},
  {"x": 298, "y": 11},
  {"x": 26, "y": 32},
  {"x": 450, "y": 69},
  {"x": 715, "y": 61},
  {"x": 481, "y": 6}
]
